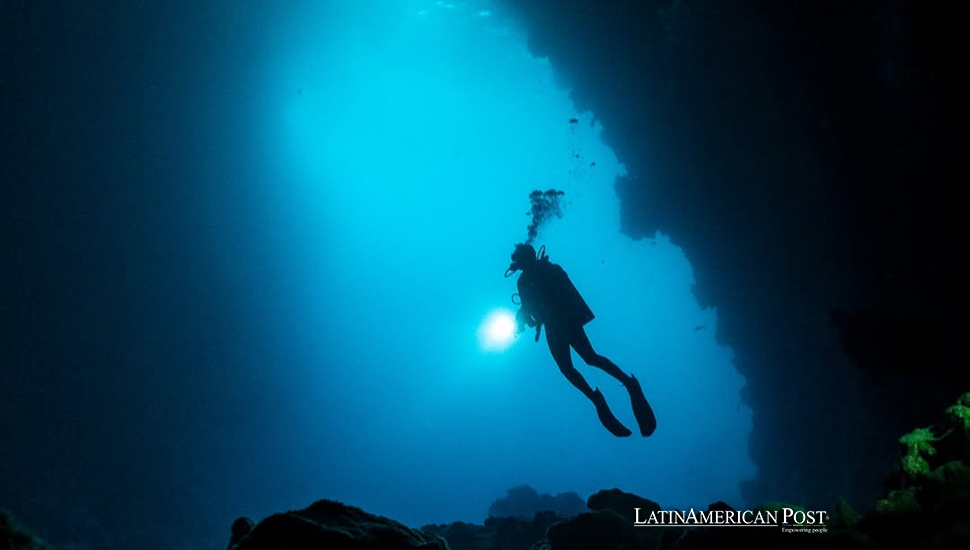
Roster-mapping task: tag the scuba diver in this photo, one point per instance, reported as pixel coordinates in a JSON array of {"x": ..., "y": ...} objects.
[{"x": 548, "y": 298}]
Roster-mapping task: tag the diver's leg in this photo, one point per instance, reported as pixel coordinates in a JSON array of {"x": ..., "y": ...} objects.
[
  {"x": 559, "y": 347},
  {"x": 641, "y": 409},
  {"x": 580, "y": 341},
  {"x": 558, "y": 341}
]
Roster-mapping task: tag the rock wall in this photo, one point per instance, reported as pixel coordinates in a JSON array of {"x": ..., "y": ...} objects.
[{"x": 809, "y": 158}]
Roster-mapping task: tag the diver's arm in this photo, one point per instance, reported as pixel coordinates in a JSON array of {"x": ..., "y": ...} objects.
[{"x": 522, "y": 318}]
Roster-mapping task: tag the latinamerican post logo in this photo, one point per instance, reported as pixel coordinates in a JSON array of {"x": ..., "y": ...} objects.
[{"x": 789, "y": 520}]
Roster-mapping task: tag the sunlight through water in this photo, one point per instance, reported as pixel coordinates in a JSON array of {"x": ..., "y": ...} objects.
[
  {"x": 408, "y": 147},
  {"x": 497, "y": 331}
]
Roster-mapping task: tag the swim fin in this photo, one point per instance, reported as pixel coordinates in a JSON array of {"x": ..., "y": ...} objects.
[
  {"x": 641, "y": 409},
  {"x": 609, "y": 421}
]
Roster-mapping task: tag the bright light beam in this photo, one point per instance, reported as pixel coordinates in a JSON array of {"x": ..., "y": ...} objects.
[{"x": 497, "y": 331}]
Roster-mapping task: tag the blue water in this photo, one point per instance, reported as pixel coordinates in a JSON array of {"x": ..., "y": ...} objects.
[
  {"x": 260, "y": 244},
  {"x": 406, "y": 137}
]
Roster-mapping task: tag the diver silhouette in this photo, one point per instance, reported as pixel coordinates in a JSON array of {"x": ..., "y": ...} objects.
[{"x": 549, "y": 298}]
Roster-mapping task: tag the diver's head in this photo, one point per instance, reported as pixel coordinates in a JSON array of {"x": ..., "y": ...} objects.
[{"x": 523, "y": 256}]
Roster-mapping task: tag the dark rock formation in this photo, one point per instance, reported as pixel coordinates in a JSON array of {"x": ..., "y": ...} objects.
[
  {"x": 720, "y": 505},
  {"x": 926, "y": 504},
  {"x": 14, "y": 536},
  {"x": 623, "y": 504},
  {"x": 330, "y": 524},
  {"x": 603, "y": 530},
  {"x": 462, "y": 536},
  {"x": 506, "y": 533},
  {"x": 240, "y": 529},
  {"x": 524, "y": 502},
  {"x": 513, "y": 533},
  {"x": 809, "y": 158}
]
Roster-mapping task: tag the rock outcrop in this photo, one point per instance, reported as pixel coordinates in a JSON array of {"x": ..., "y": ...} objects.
[
  {"x": 524, "y": 502},
  {"x": 807, "y": 157},
  {"x": 926, "y": 504},
  {"x": 331, "y": 524},
  {"x": 14, "y": 536},
  {"x": 507, "y": 533}
]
